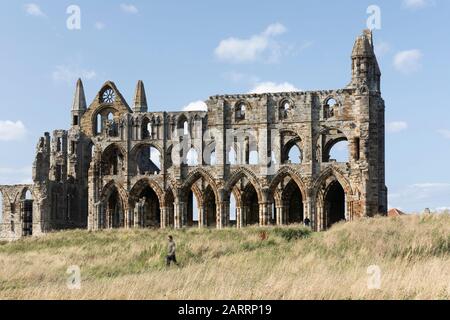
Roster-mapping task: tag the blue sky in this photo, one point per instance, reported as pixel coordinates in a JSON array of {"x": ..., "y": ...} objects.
[{"x": 185, "y": 51}]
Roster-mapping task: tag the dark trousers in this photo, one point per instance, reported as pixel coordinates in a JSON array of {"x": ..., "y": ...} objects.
[{"x": 170, "y": 259}]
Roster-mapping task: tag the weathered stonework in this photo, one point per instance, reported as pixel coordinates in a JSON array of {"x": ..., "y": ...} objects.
[{"x": 101, "y": 173}]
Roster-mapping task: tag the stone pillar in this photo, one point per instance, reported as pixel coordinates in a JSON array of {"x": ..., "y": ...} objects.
[
  {"x": 100, "y": 215},
  {"x": 164, "y": 218},
  {"x": 307, "y": 209},
  {"x": 130, "y": 218},
  {"x": 223, "y": 214},
  {"x": 320, "y": 218},
  {"x": 264, "y": 214},
  {"x": 281, "y": 218},
  {"x": 180, "y": 214},
  {"x": 201, "y": 216},
  {"x": 240, "y": 218}
]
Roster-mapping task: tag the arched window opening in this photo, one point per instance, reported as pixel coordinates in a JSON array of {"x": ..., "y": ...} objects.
[
  {"x": 58, "y": 144},
  {"x": 335, "y": 204},
  {"x": 155, "y": 158},
  {"x": 285, "y": 108},
  {"x": 112, "y": 161},
  {"x": 146, "y": 128},
  {"x": 110, "y": 117},
  {"x": 192, "y": 157},
  {"x": 185, "y": 128},
  {"x": 339, "y": 152},
  {"x": 294, "y": 155},
  {"x": 330, "y": 108},
  {"x": 148, "y": 160},
  {"x": 99, "y": 124},
  {"x": 28, "y": 195},
  {"x": 240, "y": 111}
]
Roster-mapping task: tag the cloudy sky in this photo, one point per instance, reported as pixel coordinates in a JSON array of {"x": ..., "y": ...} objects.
[{"x": 185, "y": 51}]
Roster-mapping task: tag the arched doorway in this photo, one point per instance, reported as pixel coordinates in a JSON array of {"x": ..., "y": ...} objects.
[
  {"x": 294, "y": 203},
  {"x": 114, "y": 210},
  {"x": 150, "y": 208},
  {"x": 250, "y": 205},
  {"x": 27, "y": 213},
  {"x": 210, "y": 208},
  {"x": 335, "y": 204}
]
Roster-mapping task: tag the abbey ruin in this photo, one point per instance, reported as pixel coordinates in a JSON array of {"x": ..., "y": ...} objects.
[{"x": 130, "y": 167}]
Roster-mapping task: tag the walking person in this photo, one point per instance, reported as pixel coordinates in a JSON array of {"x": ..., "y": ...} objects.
[{"x": 171, "y": 252}]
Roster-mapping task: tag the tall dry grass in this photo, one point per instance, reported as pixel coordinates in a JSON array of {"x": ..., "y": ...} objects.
[{"x": 413, "y": 253}]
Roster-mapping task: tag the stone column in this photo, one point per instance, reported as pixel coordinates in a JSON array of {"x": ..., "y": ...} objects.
[
  {"x": 264, "y": 214},
  {"x": 281, "y": 219},
  {"x": 100, "y": 215},
  {"x": 240, "y": 218},
  {"x": 130, "y": 218},
  {"x": 180, "y": 214},
  {"x": 163, "y": 215},
  {"x": 201, "y": 216},
  {"x": 223, "y": 214}
]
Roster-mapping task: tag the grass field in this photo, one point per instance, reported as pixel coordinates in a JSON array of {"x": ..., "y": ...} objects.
[{"x": 412, "y": 252}]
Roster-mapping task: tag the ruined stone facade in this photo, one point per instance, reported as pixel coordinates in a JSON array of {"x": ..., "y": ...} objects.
[{"x": 122, "y": 167}]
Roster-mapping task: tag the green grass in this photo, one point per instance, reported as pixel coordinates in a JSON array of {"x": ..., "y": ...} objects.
[{"x": 261, "y": 263}]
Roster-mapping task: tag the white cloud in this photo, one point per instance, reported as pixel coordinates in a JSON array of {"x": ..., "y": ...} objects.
[
  {"x": 129, "y": 8},
  {"x": 69, "y": 74},
  {"x": 272, "y": 87},
  {"x": 257, "y": 47},
  {"x": 196, "y": 106},
  {"x": 274, "y": 30},
  {"x": 396, "y": 126},
  {"x": 99, "y": 25},
  {"x": 33, "y": 9},
  {"x": 416, "y": 4},
  {"x": 12, "y": 131},
  {"x": 445, "y": 133},
  {"x": 418, "y": 196},
  {"x": 408, "y": 61},
  {"x": 382, "y": 48}
]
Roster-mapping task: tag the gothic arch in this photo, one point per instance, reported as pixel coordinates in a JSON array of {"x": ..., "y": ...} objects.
[
  {"x": 106, "y": 190},
  {"x": 244, "y": 173},
  {"x": 327, "y": 176},
  {"x": 281, "y": 175},
  {"x": 197, "y": 174},
  {"x": 144, "y": 183}
]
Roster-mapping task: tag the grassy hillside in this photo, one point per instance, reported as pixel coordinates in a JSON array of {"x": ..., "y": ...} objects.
[{"x": 413, "y": 254}]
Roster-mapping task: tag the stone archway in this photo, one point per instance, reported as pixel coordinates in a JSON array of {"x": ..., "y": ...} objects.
[
  {"x": 333, "y": 196},
  {"x": 289, "y": 194},
  {"x": 334, "y": 204},
  {"x": 145, "y": 200}
]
